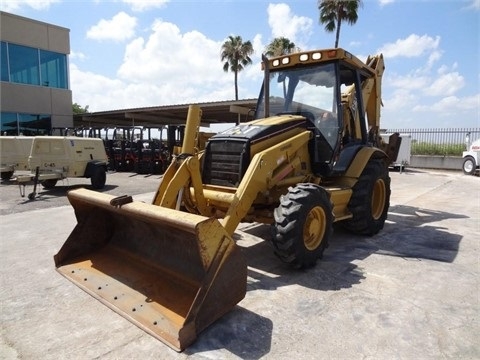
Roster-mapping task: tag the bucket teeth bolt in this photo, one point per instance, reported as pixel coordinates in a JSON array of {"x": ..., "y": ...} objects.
[{"x": 121, "y": 200}]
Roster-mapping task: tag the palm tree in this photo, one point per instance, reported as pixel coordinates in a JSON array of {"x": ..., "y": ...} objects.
[
  {"x": 280, "y": 46},
  {"x": 334, "y": 12},
  {"x": 236, "y": 55}
]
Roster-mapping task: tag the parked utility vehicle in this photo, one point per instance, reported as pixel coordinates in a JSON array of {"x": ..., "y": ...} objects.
[
  {"x": 14, "y": 153},
  {"x": 312, "y": 157},
  {"x": 471, "y": 157},
  {"x": 54, "y": 158}
]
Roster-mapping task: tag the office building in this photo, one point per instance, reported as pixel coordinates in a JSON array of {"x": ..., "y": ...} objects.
[{"x": 35, "y": 91}]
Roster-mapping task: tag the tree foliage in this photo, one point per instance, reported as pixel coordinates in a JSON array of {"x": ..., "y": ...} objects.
[
  {"x": 236, "y": 54},
  {"x": 334, "y": 12},
  {"x": 77, "y": 109},
  {"x": 280, "y": 46}
]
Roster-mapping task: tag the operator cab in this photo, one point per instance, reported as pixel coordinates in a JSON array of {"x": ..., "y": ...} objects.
[{"x": 314, "y": 89}]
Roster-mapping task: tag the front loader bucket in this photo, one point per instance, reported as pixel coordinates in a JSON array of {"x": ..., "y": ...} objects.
[{"x": 170, "y": 273}]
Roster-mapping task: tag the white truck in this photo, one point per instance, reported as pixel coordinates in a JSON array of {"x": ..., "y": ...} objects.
[
  {"x": 54, "y": 158},
  {"x": 471, "y": 157}
]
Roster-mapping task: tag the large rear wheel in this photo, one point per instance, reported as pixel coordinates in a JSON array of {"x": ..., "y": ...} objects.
[
  {"x": 303, "y": 225},
  {"x": 370, "y": 200},
  {"x": 469, "y": 165}
]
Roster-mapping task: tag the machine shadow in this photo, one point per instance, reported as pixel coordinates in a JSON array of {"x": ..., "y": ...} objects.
[
  {"x": 233, "y": 332},
  {"x": 59, "y": 191},
  {"x": 406, "y": 234}
]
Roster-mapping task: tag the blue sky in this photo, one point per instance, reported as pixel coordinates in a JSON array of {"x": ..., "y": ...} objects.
[{"x": 129, "y": 53}]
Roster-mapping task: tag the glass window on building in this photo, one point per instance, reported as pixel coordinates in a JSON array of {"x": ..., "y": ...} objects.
[
  {"x": 4, "y": 62},
  {"x": 9, "y": 123},
  {"x": 14, "y": 124},
  {"x": 30, "y": 125},
  {"x": 23, "y": 63},
  {"x": 26, "y": 65},
  {"x": 53, "y": 69}
]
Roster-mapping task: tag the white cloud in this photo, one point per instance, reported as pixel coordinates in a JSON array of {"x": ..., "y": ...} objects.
[
  {"x": 170, "y": 56},
  {"x": 93, "y": 90},
  {"x": 143, "y": 5},
  {"x": 258, "y": 44},
  {"x": 474, "y": 4},
  {"x": 406, "y": 109},
  {"x": 452, "y": 105},
  {"x": 446, "y": 84},
  {"x": 433, "y": 58},
  {"x": 353, "y": 44},
  {"x": 167, "y": 67},
  {"x": 11, "y": 5},
  {"x": 401, "y": 99},
  {"x": 385, "y": 2},
  {"x": 77, "y": 55},
  {"x": 284, "y": 23},
  {"x": 121, "y": 27},
  {"x": 408, "y": 82},
  {"x": 412, "y": 46}
]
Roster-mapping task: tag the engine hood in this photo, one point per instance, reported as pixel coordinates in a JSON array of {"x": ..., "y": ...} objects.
[{"x": 262, "y": 129}]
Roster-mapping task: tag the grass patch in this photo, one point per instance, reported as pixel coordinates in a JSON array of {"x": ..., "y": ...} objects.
[{"x": 425, "y": 148}]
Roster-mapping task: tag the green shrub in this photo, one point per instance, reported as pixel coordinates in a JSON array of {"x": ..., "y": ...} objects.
[{"x": 424, "y": 148}]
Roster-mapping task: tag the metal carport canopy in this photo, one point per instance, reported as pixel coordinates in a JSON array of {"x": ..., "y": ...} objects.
[{"x": 157, "y": 116}]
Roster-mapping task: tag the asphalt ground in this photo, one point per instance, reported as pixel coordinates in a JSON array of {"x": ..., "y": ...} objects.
[
  {"x": 410, "y": 292},
  {"x": 118, "y": 183}
]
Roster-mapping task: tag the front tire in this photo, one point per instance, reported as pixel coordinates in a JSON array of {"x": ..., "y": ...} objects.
[
  {"x": 6, "y": 175},
  {"x": 99, "y": 177},
  {"x": 469, "y": 165},
  {"x": 370, "y": 200},
  {"x": 49, "y": 184},
  {"x": 303, "y": 225}
]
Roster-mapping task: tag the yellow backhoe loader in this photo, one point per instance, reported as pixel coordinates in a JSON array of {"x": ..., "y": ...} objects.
[{"x": 312, "y": 156}]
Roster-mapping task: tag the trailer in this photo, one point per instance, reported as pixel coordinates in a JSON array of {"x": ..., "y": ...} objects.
[
  {"x": 404, "y": 152},
  {"x": 54, "y": 158},
  {"x": 14, "y": 153}
]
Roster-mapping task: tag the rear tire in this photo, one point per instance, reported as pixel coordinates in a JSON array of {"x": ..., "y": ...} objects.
[
  {"x": 6, "y": 175},
  {"x": 469, "y": 165},
  {"x": 99, "y": 177},
  {"x": 303, "y": 225},
  {"x": 49, "y": 184},
  {"x": 370, "y": 200}
]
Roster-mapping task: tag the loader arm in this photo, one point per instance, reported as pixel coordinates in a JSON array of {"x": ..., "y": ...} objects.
[
  {"x": 284, "y": 164},
  {"x": 176, "y": 180},
  {"x": 277, "y": 164},
  {"x": 268, "y": 169},
  {"x": 184, "y": 169}
]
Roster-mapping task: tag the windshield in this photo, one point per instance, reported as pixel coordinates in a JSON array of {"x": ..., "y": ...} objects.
[{"x": 310, "y": 92}]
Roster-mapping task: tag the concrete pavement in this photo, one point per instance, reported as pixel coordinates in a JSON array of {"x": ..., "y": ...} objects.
[{"x": 410, "y": 292}]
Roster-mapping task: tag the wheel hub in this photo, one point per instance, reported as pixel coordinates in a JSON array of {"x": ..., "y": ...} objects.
[
  {"x": 468, "y": 166},
  {"x": 378, "y": 198},
  {"x": 314, "y": 228}
]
